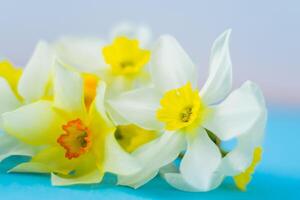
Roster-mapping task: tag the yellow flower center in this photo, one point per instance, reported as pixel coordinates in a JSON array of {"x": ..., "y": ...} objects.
[
  {"x": 125, "y": 57},
  {"x": 90, "y": 82},
  {"x": 130, "y": 137},
  {"x": 243, "y": 179},
  {"x": 11, "y": 74},
  {"x": 76, "y": 139},
  {"x": 181, "y": 108}
]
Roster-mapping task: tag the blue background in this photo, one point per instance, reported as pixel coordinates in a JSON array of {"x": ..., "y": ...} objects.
[{"x": 277, "y": 177}]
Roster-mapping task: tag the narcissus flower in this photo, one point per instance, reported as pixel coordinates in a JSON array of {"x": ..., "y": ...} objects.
[
  {"x": 77, "y": 144},
  {"x": 192, "y": 120},
  {"x": 19, "y": 87},
  {"x": 121, "y": 62},
  {"x": 125, "y": 65}
]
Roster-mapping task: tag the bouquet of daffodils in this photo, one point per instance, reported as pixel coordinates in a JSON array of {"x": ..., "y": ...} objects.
[{"x": 82, "y": 107}]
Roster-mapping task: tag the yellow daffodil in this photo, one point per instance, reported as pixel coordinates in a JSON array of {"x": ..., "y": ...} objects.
[
  {"x": 9, "y": 100},
  {"x": 193, "y": 120},
  {"x": 19, "y": 87},
  {"x": 77, "y": 145}
]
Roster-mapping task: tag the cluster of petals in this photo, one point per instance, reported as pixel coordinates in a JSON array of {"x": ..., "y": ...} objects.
[{"x": 131, "y": 107}]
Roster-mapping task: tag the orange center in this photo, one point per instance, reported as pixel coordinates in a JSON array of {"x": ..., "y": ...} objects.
[
  {"x": 90, "y": 87},
  {"x": 76, "y": 139}
]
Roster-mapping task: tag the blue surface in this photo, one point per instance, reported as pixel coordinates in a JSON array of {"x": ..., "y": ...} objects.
[{"x": 277, "y": 177}]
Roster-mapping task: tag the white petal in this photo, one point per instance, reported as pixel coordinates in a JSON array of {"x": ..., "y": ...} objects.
[
  {"x": 34, "y": 123},
  {"x": 8, "y": 100},
  {"x": 137, "y": 180},
  {"x": 118, "y": 161},
  {"x": 169, "y": 168},
  {"x": 82, "y": 53},
  {"x": 133, "y": 31},
  {"x": 200, "y": 163},
  {"x": 153, "y": 156},
  {"x": 10, "y": 146},
  {"x": 219, "y": 81},
  {"x": 239, "y": 159},
  {"x": 237, "y": 113},
  {"x": 138, "y": 107},
  {"x": 117, "y": 84},
  {"x": 171, "y": 174},
  {"x": 33, "y": 82},
  {"x": 92, "y": 177},
  {"x": 100, "y": 102},
  {"x": 170, "y": 65},
  {"x": 68, "y": 90},
  {"x": 115, "y": 117},
  {"x": 177, "y": 181}
]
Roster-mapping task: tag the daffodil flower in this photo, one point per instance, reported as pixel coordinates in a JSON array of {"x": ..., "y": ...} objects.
[
  {"x": 126, "y": 64},
  {"x": 122, "y": 65},
  {"x": 78, "y": 145},
  {"x": 121, "y": 62},
  {"x": 191, "y": 119},
  {"x": 19, "y": 87}
]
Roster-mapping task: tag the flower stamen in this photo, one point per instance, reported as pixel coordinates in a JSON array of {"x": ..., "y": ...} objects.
[
  {"x": 185, "y": 115},
  {"x": 76, "y": 139}
]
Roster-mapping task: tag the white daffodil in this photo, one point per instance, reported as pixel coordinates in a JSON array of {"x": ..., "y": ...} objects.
[
  {"x": 192, "y": 120},
  {"x": 77, "y": 145},
  {"x": 19, "y": 87},
  {"x": 121, "y": 62}
]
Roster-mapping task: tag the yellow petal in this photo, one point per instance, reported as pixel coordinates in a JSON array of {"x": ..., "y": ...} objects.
[
  {"x": 130, "y": 137},
  {"x": 35, "y": 123},
  {"x": 90, "y": 88},
  {"x": 49, "y": 160},
  {"x": 94, "y": 176},
  {"x": 100, "y": 125},
  {"x": 243, "y": 179},
  {"x": 31, "y": 167},
  {"x": 100, "y": 129},
  {"x": 11, "y": 74},
  {"x": 8, "y": 100}
]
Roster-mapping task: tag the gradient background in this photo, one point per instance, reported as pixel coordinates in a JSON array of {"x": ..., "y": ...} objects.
[{"x": 265, "y": 48}]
